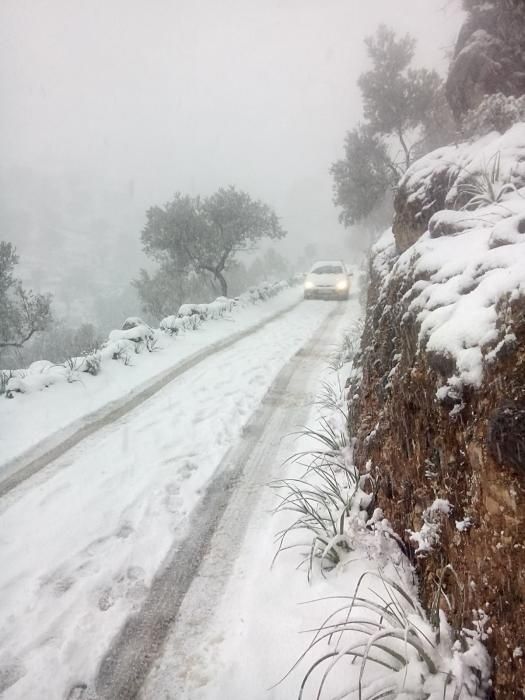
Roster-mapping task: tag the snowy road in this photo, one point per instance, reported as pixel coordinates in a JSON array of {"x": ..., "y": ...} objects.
[
  {"x": 85, "y": 537},
  {"x": 201, "y": 646}
]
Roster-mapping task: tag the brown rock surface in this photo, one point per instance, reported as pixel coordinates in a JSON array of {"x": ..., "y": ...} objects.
[{"x": 420, "y": 451}]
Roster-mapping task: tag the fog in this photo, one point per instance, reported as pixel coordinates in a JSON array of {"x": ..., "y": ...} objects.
[{"x": 110, "y": 107}]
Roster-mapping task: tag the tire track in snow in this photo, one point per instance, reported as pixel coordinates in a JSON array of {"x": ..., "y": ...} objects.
[
  {"x": 25, "y": 466},
  {"x": 216, "y": 528}
]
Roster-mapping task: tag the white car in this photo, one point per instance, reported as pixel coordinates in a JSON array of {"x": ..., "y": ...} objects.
[{"x": 328, "y": 279}]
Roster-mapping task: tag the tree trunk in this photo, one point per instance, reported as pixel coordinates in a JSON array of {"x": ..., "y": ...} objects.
[
  {"x": 224, "y": 285},
  {"x": 405, "y": 149}
]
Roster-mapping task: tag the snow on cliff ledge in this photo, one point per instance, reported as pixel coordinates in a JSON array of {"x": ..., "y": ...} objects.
[{"x": 470, "y": 263}]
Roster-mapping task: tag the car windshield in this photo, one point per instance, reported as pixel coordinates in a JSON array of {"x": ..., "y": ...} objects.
[{"x": 328, "y": 270}]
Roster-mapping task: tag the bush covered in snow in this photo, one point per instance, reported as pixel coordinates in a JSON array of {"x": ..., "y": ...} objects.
[{"x": 125, "y": 343}]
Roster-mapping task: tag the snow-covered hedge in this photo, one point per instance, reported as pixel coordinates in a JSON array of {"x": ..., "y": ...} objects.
[{"x": 134, "y": 337}]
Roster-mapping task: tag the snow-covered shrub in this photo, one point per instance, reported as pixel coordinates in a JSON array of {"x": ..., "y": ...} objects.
[
  {"x": 121, "y": 349},
  {"x": 428, "y": 536},
  {"x": 132, "y": 322},
  {"x": 73, "y": 365},
  {"x": 89, "y": 353},
  {"x": 173, "y": 325},
  {"x": 219, "y": 307},
  {"x": 228, "y": 304},
  {"x": 92, "y": 363},
  {"x": 5, "y": 376},
  {"x": 39, "y": 375},
  {"x": 140, "y": 335},
  {"x": 193, "y": 310},
  {"x": 193, "y": 321},
  {"x": 452, "y": 177},
  {"x": 497, "y": 112}
]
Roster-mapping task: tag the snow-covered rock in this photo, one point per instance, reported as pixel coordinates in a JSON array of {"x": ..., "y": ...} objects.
[{"x": 449, "y": 177}]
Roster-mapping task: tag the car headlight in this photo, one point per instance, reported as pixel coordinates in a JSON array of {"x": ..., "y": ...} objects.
[
  {"x": 342, "y": 285},
  {"x": 308, "y": 284}
]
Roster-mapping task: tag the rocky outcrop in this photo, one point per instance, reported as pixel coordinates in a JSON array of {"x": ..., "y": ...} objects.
[
  {"x": 448, "y": 178},
  {"x": 489, "y": 56},
  {"x": 438, "y": 415}
]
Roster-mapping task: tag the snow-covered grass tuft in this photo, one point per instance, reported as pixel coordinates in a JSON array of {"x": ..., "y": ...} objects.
[
  {"x": 320, "y": 501},
  {"x": 487, "y": 187},
  {"x": 5, "y": 376},
  {"x": 348, "y": 347},
  {"x": 385, "y": 633}
]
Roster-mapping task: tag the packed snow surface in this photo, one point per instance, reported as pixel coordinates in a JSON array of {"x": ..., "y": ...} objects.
[{"x": 84, "y": 537}]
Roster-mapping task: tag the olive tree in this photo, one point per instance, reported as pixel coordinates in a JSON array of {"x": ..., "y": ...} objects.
[{"x": 204, "y": 234}]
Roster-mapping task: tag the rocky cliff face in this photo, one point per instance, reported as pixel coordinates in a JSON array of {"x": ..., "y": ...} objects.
[
  {"x": 439, "y": 412},
  {"x": 489, "y": 56}
]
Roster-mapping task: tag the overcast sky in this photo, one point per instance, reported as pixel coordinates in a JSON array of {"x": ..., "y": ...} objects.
[{"x": 194, "y": 94}]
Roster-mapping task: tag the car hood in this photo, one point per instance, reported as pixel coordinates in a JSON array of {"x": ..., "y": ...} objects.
[{"x": 329, "y": 279}]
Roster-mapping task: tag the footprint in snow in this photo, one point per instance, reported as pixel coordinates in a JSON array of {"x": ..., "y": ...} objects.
[
  {"x": 58, "y": 582},
  {"x": 172, "y": 499},
  {"x": 124, "y": 531},
  {"x": 129, "y": 585},
  {"x": 187, "y": 469}
]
